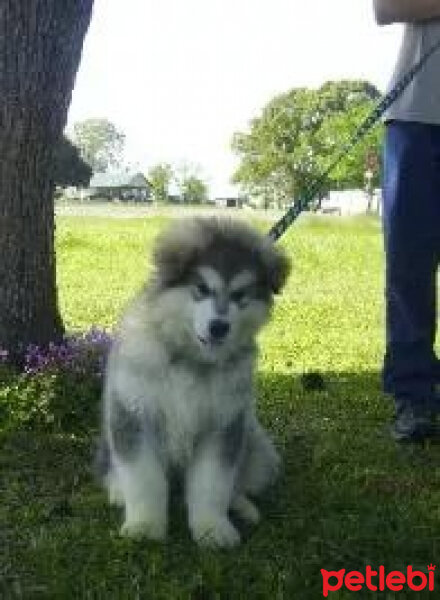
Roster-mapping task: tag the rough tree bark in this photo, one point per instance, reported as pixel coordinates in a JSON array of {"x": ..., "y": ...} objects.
[{"x": 40, "y": 49}]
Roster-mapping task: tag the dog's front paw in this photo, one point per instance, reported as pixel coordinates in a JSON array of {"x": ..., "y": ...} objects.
[
  {"x": 140, "y": 529},
  {"x": 215, "y": 532}
]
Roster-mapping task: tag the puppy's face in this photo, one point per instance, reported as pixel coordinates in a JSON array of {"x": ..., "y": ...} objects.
[
  {"x": 214, "y": 281},
  {"x": 225, "y": 312}
]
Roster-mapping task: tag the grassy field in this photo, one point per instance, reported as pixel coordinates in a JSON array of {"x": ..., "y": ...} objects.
[{"x": 348, "y": 497}]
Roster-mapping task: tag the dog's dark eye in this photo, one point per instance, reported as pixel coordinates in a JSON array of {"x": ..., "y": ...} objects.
[
  {"x": 201, "y": 290},
  {"x": 239, "y": 296}
]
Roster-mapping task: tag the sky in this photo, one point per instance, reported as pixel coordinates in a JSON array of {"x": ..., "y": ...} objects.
[{"x": 179, "y": 77}]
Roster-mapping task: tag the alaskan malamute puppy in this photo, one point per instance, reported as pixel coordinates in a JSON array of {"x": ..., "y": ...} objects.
[{"x": 179, "y": 392}]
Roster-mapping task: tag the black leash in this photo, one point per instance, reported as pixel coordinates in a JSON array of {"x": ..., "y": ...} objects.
[{"x": 376, "y": 114}]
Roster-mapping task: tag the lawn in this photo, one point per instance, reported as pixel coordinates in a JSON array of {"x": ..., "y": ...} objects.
[{"x": 348, "y": 498}]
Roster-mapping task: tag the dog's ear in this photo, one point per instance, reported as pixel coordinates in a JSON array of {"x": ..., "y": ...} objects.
[
  {"x": 172, "y": 262},
  {"x": 174, "y": 254},
  {"x": 277, "y": 265}
]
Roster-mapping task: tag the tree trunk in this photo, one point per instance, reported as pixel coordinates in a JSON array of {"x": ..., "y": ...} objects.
[{"x": 40, "y": 50}]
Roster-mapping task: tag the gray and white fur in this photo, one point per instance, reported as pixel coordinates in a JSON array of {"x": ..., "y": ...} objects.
[{"x": 179, "y": 390}]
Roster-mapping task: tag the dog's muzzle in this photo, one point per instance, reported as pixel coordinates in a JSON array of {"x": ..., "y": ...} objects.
[{"x": 218, "y": 330}]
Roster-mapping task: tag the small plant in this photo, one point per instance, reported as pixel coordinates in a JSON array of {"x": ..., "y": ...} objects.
[
  {"x": 81, "y": 354},
  {"x": 58, "y": 390}
]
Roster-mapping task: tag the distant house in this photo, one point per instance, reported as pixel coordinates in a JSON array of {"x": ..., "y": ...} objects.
[
  {"x": 229, "y": 202},
  {"x": 122, "y": 186},
  {"x": 228, "y": 196},
  {"x": 351, "y": 202}
]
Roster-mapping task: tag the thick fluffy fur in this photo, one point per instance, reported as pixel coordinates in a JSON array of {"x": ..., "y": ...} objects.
[{"x": 179, "y": 383}]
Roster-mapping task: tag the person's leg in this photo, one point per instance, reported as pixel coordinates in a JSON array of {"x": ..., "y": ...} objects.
[{"x": 411, "y": 232}]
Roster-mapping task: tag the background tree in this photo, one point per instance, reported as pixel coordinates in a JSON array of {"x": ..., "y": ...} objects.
[
  {"x": 350, "y": 172},
  {"x": 160, "y": 177},
  {"x": 40, "y": 49},
  {"x": 100, "y": 143},
  {"x": 296, "y": 136},
  {"x": 194, "y": 190},
  {"x": 69, "y": 167}
]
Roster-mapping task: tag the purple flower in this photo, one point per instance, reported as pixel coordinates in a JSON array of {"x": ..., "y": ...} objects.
[
  {"x": 3, "y": 356},
  {"x": 83, "y": 353}
]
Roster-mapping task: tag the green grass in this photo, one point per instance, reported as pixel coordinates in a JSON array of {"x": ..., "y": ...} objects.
[{"x": 348, "y": 496}]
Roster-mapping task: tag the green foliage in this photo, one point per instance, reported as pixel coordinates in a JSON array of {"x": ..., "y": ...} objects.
[
  {"x": 194, "y": 190},
  {"x": 100, "y": 143},
  {"x": 160, "y": 177},
  {"x": 49, "y": 402},
  {"x": 298, "y": 134},
  {"x": 69, "y": 168},
  {"x": 338, "y": 129}
]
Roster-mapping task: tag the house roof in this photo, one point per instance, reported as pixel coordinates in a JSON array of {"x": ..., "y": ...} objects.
[{"x": 115, "y": 179}]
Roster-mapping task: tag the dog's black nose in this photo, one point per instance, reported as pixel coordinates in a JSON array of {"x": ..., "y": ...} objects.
[{"x": 218, "y": 329}]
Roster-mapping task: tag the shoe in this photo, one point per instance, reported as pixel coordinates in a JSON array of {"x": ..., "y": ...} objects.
[{"x": 414, "y": 422}]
